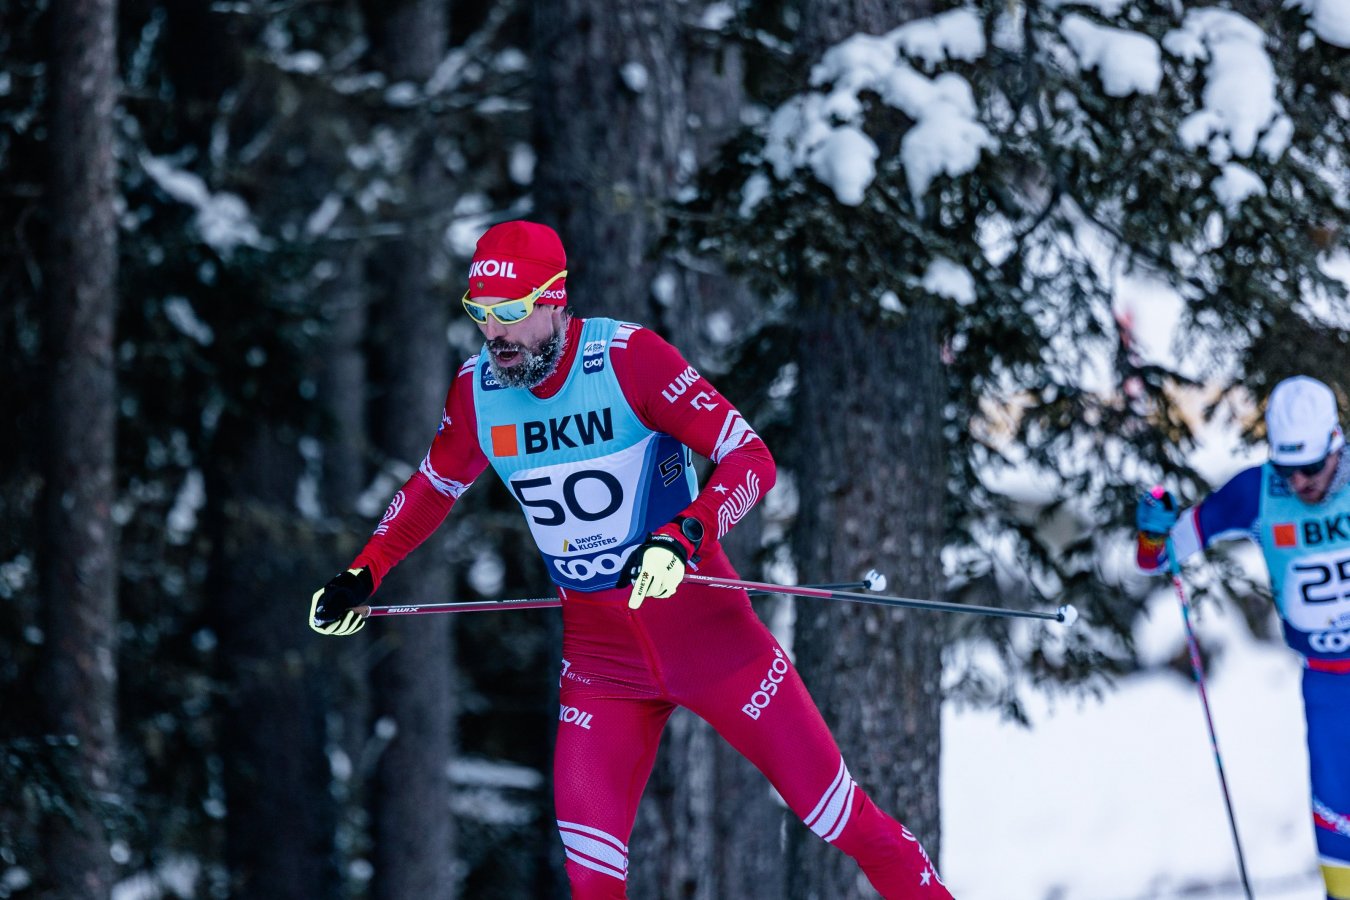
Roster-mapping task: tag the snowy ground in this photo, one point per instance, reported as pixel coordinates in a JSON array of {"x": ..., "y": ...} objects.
[{"x": 1119, "y": 799}]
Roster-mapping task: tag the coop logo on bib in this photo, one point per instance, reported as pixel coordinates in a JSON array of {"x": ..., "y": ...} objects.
[
  {"x": 593, "y": 357},
  {"x": 1330, "y": 641},
  {"x": 582, "y": 570}
]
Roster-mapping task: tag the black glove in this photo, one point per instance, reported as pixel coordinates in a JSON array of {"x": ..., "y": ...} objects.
[{"x": 333, "y": 608}]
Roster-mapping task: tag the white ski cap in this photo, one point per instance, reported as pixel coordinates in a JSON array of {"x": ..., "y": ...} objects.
[{"x": 1302, "y": 425}]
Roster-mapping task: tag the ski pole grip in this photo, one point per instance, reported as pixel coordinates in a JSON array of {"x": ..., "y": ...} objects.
[
  {"x": 1160, "y": 493},
  {"x": 1156, "y": 513}
]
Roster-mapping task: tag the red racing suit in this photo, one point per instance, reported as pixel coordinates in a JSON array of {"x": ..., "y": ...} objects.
[{"x": 625, "y": 671}]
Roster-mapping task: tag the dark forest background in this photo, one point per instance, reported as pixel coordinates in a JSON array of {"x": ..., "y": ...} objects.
[{"x": 232, "y": 241}]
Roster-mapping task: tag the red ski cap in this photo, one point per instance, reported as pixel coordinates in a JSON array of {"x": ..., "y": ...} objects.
[{"x": 513, "y": 258}]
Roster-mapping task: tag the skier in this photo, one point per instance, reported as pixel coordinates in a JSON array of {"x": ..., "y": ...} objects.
[
  {"x": 591, "y": 424},
  {"x": 1297, "y": 509}
]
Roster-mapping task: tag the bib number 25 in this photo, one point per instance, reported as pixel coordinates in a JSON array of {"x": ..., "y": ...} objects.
[{"x": 1324, "y": 581}]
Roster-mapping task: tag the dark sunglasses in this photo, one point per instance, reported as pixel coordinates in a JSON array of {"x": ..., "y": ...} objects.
[{"x": 1307, "y": 470}]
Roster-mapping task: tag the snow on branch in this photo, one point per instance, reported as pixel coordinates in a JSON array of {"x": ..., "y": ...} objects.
[
  {"x": 222, "y": 219},
  {"x": 823, "y": 129}
]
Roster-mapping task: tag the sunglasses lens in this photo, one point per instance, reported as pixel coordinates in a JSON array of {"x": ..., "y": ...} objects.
[
  {"x": 507, "y": 313},
  {"x": 1307, "y": 470},
  {"x": 513, "y": 311}
]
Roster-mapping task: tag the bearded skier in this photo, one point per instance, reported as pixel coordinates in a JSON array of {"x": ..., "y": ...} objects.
[{"x": 591, "y": 424}]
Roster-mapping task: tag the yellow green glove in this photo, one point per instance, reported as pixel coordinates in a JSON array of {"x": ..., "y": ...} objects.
[
  {"x": 337, "y": 608},
  {"x": 656, "y": 567},
  {"x": 660, "y": 569}
]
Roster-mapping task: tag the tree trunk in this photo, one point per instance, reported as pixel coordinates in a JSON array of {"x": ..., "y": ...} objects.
[
  {"x": 343, "y": 385},
  {"x": 611, "y": 120},
  {"x": 78, "y": 544},
  {"x": 870, "y": 396},
  {"x": 413, "y": 682},
  {"x": 869, "y": 401},
  {"x": 281, "y": 814}
]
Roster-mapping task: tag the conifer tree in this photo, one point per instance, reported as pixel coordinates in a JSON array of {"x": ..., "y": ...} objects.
[{"x": 1022, "y": 168}]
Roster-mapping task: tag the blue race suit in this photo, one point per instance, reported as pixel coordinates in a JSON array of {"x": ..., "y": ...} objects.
[{"x": 1307, "y": 551}]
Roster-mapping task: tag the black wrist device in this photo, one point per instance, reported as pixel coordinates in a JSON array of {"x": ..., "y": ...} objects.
[{"x": 692, "y": 529}]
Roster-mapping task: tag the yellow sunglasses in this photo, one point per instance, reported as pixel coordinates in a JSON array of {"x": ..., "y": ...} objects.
[{"x": 508, "y": 312}]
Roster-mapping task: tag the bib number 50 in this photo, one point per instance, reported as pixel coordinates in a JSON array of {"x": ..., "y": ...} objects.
[{"x": 560, "y": 505}]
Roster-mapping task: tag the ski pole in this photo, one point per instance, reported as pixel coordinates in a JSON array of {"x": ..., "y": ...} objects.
[
  {"x": 1198, "y": 669},
  {"x": 463, "y": 606},
  {"x": 1066, "y": 614}
]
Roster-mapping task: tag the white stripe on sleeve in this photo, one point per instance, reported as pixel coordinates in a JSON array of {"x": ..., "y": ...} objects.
[
  {"x": 736, "y": 433},
  {"x": 447, "y": 486}
]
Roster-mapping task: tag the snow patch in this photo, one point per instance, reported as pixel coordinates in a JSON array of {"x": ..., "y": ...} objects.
[
  {"x": 755, "y": 189},
  {"x": 635, "y": 76},
  {"x": 957, "y": 34},
  {"x": 1118, "y": 798},
  {"x": 179, "y": 312},
  {"x": 1236, "y": 184},
  {"x": 1328, "y": 19},
  {"x": 182, "y": 518},
  {"x": 177, "y": 876},
  {"x": 1109, "y": 9},
  {"x": 1126, "y": 61},
  {"x": 1239, "y": 95},
  {"x": 222, "y": 219},
  {"x": 483, "y": 791},
  {"x": 951, "y": 280},
  {"x": 822, "y": 129},
  {"x": 324, "y": 215},
  {"x": 846, "y": 161}
]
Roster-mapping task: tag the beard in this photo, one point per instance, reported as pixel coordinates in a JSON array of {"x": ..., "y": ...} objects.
[{"x": 535, "y": 365}]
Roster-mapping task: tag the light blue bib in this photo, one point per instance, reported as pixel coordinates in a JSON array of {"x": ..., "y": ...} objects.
[
  {"x": 1307, "y": 550},
  {"x": 592, "y": 480}
]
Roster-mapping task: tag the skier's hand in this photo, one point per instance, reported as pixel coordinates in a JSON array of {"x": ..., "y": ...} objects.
[
  {"x": 333, "y": 608},
  {"x": 656, "y": 567},
  {"x": 1155, "y": 513}
]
